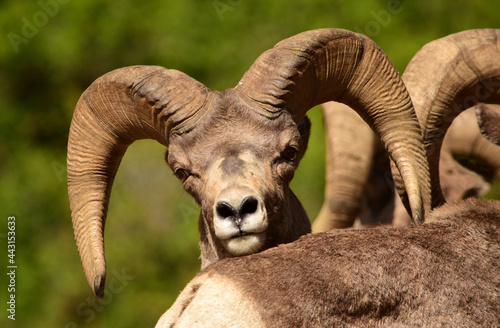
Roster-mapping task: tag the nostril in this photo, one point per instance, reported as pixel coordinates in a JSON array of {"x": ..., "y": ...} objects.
[
  {"x": 225, "y": 210},
  {"x": 248, "y": 206}
]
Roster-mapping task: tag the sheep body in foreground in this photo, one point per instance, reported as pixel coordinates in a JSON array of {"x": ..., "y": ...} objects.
[{"x": 444, "y": 272}]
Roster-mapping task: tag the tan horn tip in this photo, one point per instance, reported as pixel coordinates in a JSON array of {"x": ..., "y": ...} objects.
[
  {"x": 99, "y": 282},
  {"x": 417, "y": 218}
]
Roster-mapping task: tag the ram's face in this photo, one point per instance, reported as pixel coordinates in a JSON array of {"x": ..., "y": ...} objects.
[{"x": 237, "y": 165}]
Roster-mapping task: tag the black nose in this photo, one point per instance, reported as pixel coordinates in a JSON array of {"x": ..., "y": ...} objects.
[
  {"x": 248, "y": 206},
  {"x": 225, "y": 210}
]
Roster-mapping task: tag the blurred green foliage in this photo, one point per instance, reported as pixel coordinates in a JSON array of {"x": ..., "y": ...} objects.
[{"x": 51, "y": 50}]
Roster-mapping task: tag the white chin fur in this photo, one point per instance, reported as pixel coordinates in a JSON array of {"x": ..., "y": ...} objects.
[{"x": 245, "y": 245}]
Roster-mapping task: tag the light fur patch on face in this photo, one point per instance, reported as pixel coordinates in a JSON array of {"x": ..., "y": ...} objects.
[
  {"x": 253, "y": 175},
  {"x": 211, "y": 301},
  {"x": 258, "y": 175}
]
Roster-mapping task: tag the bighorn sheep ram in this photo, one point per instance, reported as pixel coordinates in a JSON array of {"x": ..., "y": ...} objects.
[
  {"x": 445, "y": 272},
  {"x": 236, "y": 151},
  {"x": 457, "y": 71}
]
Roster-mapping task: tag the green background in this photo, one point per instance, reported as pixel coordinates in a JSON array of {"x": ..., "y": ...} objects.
[{"x": 50, "y": 51}]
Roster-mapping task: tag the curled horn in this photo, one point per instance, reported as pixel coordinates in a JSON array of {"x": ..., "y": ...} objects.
[
  {"x": 347, "y": 170},
  {"x": 446, "y": 77},
  {"x": 333, "y": 64},
  {"x": 118, "y": 108}
]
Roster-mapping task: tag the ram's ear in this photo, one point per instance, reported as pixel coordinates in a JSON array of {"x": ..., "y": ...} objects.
[
  {"x": 488, "y": 117},
  {"x": 304, "y": 127}
]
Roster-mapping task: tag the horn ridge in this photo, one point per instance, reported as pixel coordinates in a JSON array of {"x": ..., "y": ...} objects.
[{"x": 262, "y": 108}]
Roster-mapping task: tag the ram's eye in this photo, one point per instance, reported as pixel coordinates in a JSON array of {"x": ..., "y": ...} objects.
[
  {"x": 290, "y": 154},
  {"x": 181, "y": 174}
]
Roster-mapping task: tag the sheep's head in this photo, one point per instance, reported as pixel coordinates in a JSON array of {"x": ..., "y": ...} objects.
[
  {"x": 237, "y": 151},
  {"x": 237, "y": 164}
]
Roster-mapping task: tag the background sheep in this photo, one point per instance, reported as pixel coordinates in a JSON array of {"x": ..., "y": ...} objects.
[{"x": 359, "y": 189}]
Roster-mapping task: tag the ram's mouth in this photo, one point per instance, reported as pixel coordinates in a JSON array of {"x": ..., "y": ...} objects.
[
  {"x": 242, "y": 234},
  {"x": 245, "y": 243}
]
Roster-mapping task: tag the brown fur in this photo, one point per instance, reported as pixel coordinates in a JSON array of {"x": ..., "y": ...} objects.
[
  {"x": 489, "y": 119},
  {"x": 443, "y": 273}
]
